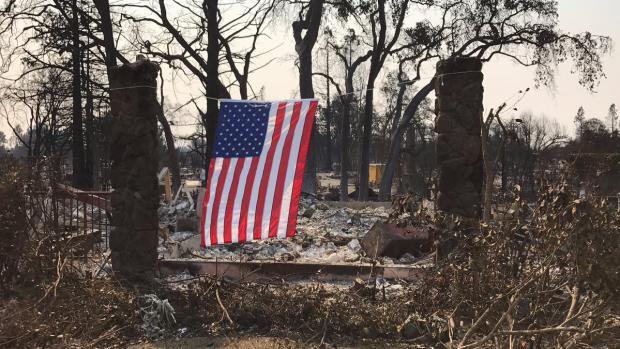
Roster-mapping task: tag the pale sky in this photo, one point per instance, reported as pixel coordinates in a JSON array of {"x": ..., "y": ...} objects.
[{"x": 502, "y": 79}]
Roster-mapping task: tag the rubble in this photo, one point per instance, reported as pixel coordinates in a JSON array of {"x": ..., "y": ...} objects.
[
  {"x": 410, "y": 328},
  {"x": 186, "y": 223},
  {"x": 389, "y": 240},
  {"x": 362, "y": 288},
  {"x": 181, "y": 212},
  {"x": 308, "y": 212},
  {"x": 178, "y": 214},
  {"x": 326, "y": 232}
]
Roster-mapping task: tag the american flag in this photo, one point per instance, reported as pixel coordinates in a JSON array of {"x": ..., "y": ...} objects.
[{"x": 256, "y": 170}]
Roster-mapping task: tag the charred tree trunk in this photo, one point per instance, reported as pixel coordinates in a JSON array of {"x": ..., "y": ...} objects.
[
  {"x": 385, "y": 189},
  {"x": 345, "y": 127},
  {"x": 171, "y": 150},
  {"x": 90, "y": 148},
  {"x": 364, "y": 158},
  {"x": 398, "y": 111},
  {"x": 173, "y": 155},
  {"x": 397, "y": 137},
  {"x": 504, "y": 168},
  {"x": 213, "y": 50},
  {"x": 328, "y": 119},
  {"x": 303, "y": 47},
  {"x": 243, "y": 88},
  {"x": 364, "y": 155},
  {"x": 79, "y": 166},
  {"x": 111, "y": 54},
  {"x": 381, "y": 49},
  {"x": 306, "y": 89},
  {"x": 345, "y": 136}
]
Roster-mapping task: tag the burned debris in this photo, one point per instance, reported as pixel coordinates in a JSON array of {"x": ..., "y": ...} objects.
[{"x": 200, "y": 196}]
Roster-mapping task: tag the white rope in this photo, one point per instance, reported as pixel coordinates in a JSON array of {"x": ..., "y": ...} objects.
[
  {"x": 345, "y": 94},
  {"x": 413, "y": 80},
  {"x": 131, "y": 87}
]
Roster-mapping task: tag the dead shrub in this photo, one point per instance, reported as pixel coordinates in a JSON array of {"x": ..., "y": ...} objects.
[
  {"x": 44, "y": 300},
  {"x": 547, "y": 276},
  {"x": 82, "y": 314},
  {"x": 294, "y": 308},
  {"x": 13, "y": 230},
  {"x": 29, "y": 252}
]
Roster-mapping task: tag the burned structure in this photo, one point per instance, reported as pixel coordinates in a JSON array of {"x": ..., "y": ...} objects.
[
  {"x": 133, "y": 240},
  {"x": 459, "y": 91}
]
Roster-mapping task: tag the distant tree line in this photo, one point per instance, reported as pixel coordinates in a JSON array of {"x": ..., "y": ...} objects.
[{"x": 364, "y": 59}]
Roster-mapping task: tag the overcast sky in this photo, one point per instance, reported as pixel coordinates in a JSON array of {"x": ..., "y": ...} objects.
[
  {"x": 502, "y": 79},
  {"x": 561, "y": 102}
]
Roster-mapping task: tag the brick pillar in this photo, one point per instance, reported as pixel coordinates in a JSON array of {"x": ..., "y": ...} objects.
[
  {"x": 459, "y": 149},
  {"x": 133, "y": 240}
]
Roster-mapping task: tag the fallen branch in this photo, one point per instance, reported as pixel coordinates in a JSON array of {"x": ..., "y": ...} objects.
[
  {"x": 59, "y": 267},
  {"x": 217, "y": 296},
  {"x": 542, "y": 331}
]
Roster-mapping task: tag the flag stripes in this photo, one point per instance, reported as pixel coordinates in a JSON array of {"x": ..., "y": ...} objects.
[{"x": 256, "y": 197}]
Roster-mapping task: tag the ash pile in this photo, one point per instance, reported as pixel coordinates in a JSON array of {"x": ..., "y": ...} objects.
[{"x": 327, "y": 232}]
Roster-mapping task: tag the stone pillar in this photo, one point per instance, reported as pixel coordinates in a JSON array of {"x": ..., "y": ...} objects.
[
  {"x": 133, "y": 240},
  {"x": 459, "y": 109}
]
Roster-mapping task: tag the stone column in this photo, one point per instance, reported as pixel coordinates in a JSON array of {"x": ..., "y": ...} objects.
[
  {"x": 133, "y": 240},
  {"x": 459, "y": 109}
]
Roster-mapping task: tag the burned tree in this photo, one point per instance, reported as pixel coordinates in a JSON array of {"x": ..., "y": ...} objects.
[
  {"x": 510, "y": 29},
  {"x": 209, "y": 119},
  {"x": 253, "y": 20},
  {"x": 350, "y": 64},
  {"x": 309, "y": 21},
  {"x": 351, "y": 67},
  {"x": 381, "y": 47}
]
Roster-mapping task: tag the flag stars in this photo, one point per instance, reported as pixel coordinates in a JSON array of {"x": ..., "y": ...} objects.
[{"x": 241, "y": 129}]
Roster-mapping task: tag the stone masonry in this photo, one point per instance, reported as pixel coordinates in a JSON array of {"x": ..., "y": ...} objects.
[
  {"x": 459, "y": 109},
  {"x": 133, "y": 240}
]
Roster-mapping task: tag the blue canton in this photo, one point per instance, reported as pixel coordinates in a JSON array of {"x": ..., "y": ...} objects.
[{"x": 241, "y": 129}]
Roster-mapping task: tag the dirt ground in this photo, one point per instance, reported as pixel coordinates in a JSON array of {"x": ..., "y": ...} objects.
[{"x": 257, "y": 342}]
